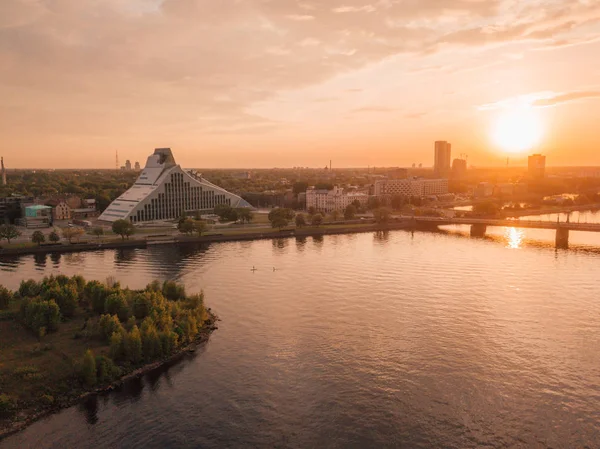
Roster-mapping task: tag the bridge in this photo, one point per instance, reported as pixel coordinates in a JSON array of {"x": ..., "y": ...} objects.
[{"x": 479, "y": 226}]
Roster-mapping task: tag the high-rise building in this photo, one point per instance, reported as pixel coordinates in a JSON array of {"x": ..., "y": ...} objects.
[
  {"x": 165, "y": 191},
  {"x": 137, "y": 166},
  {"x": 128, "y": 165},
  {"x": 459, "y": 168},
  {"x": 537, "y": 166},
  {"x": 442, "y": 158}
]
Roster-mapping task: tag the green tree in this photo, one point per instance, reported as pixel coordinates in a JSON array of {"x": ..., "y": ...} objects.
[
  {"x": 151, "y": 345},
  {"x": 350, "y": 212},
  {"x": 106, "y": 369},
  {"x": 29, "y": 289},
  {"x": 98, "y": 232},
  {"x": 226, "y": 213},
  {"x": 54, "y": 237},
  {"x": 117, "y": 350},
  {"x": 200, "y": 227},
  {"x": 109, "y": 324},
  {"x": 280, "y": 217},
  {"x": 115, "y": 304},
  {"x": 279, "y": 223},
  {"x": 9, "y": 232},
  {"x": 335, "y": 215},
  {"x": 72, "y": 233},
  {"x": 311, "y": 211},
  {"x": 5, "y": 297},
  {"x": 488, "y": 208},
  {"x": 186, "y": 226},
  {"x": 96, "y": 293},
  {"x": 317, "y": 220},
  {"x": 245, "y": 215},
  {"x": 133, "y": 345},
  {"x": 39, "y": 315},
  {"x": 381, "y": 215},
  {"x": 300, "y": 221},
  {"x": 173, "y": 291},
  {"x": 142, "y": 305},
  {"x": 88, "y": 369},
  {"x": 38, "y": 237},
  {"x": 124, "y": 228},
  {"x": 66, "y": 297}
]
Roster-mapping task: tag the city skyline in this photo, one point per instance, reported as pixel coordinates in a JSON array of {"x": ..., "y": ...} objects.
[{"x": 281, "y": 84}]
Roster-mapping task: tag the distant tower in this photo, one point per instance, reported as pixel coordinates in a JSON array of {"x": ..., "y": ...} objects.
[
  {"x": 137, "y": 166},
  {"x": 128, "y": 165},
  {"x": 117, "y": 160},
  {"x": 3, "y": 172}
]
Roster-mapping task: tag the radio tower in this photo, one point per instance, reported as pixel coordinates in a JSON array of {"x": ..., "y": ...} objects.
[
  {"x": 3, "y": 172},
  {"x": 117, "y": 160}
]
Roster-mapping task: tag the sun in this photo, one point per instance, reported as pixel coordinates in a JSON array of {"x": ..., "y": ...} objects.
[{"x": 518, "y": 129}]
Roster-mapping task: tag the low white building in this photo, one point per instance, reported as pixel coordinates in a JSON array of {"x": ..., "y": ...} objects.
[{"x": 329, "y": 200}]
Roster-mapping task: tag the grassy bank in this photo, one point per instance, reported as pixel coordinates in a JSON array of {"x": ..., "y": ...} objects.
[{"x": 64, "y": 338}]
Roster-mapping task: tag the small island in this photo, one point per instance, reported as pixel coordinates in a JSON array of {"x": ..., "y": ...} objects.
[{"x": 64, "y": 338}]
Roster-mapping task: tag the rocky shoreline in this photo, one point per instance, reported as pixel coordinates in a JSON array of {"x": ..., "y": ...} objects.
[{"x": 25, "y": 418}]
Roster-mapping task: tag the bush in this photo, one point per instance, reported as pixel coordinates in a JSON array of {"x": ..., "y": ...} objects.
[
  {"x": 107, "y": 371},
  {"x": 66, "y": 297},
  {"x": 115, "y": 304},
  {"x": 173, "y": 291},
  {"x": 168, "y": 342},
  {"x": 6, "y": 405},
  {"x": 142, "y": 305},
  {"x": 133, "y": 346},
  {"x": 40, "y": 316},
  {"x": 88, "y": 369},
  {"x": 5, "y": 298},
  {"x": 108, "y": 325},
  {"x": 47, "y": 399},
  {"x": 79, "y": 283},
  {"x": 29, "y": 289},
  {"x": 151, "y": 345},
  {"x": 97, "y": 294},
  {"x": 117, "y": 350}
]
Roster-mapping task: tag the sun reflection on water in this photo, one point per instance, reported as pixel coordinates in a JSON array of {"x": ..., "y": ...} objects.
[{"x": 514, "y": 237}]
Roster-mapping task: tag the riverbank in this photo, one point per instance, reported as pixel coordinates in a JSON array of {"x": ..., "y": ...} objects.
[
  {"x": 225, "y": 236},
  {"x": 64, "y": 339},
  {"x": 28, "y": 417},
  {"x": 549, "y": 211}
]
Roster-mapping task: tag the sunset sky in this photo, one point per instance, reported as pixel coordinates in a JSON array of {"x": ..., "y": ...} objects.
[{"x": 264, "y": 83}]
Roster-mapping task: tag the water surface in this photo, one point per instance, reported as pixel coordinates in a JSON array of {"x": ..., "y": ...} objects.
[{"x": 366, "y": 340}]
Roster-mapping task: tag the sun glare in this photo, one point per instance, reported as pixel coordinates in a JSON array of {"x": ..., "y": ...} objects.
[{"x": 518, "y": 130}]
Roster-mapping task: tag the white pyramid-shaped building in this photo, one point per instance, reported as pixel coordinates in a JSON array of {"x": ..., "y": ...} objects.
[{"x": 164, "y": 191}]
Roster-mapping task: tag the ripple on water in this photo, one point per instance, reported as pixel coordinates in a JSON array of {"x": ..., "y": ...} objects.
[{"x": 366, "y": 340}]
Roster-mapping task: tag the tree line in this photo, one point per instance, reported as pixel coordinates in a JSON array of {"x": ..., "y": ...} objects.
[{"x": 132, "y": 326}]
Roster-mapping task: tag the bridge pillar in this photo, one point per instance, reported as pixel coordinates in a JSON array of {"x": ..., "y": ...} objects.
[
  {"x": 562, "y": 238},
  {"x": 478, "y": 230}
]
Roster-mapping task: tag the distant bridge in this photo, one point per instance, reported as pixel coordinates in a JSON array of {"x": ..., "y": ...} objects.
[{"x": 479, "y": 226}]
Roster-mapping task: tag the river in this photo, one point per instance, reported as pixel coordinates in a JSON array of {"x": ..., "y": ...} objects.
[{"x": 367, "y": 340}]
